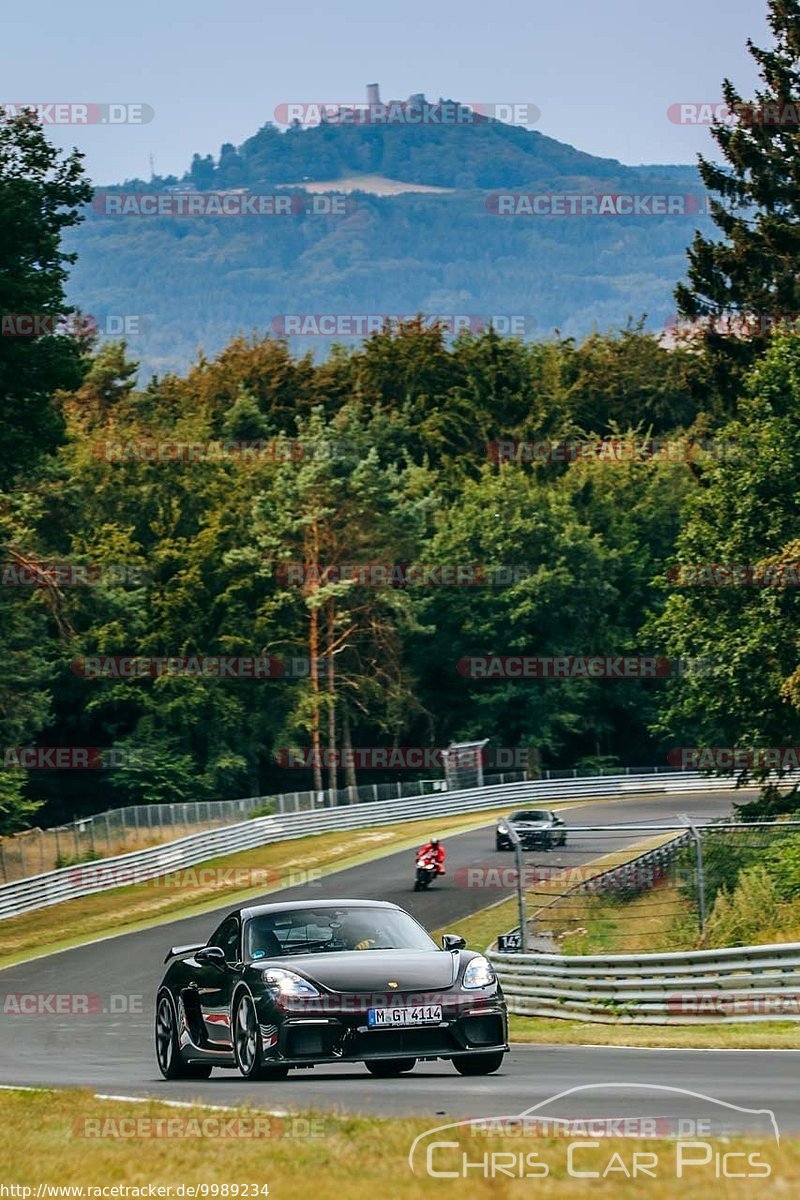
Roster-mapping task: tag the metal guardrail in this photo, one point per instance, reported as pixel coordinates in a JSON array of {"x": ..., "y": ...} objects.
[
  {"x": 740, "y": 984},
  {"x": 54, "y": 887},
  {"x": 736, "y": 984},
  {"x": 124, "y": 830}
]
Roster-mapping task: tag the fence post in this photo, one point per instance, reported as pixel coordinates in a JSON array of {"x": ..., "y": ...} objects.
[
  {"x": 77, "y": 837},
  {"x": 3, "y": 859},
  {"x": 108, "y": 833},
  {"x": 701, "y": 878},
  {"x": 523, "y": 920}
]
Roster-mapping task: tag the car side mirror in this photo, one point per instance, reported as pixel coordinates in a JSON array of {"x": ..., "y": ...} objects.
[
  {"x": 213, "y": 955},
  {"x": 452, "y": 941}
]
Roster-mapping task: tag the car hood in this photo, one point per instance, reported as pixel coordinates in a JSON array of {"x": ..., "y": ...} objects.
[
  {"x": 532, "y": 824},
  {"x": 371, "y": 970}
]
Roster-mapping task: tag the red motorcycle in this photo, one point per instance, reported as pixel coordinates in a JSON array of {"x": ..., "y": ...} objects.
[{"x": 427, "y": 870}]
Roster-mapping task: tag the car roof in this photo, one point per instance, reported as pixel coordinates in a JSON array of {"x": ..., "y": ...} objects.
[{"x": 260, "y": 910}]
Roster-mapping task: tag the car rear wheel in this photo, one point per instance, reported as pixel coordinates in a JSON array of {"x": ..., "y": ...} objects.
[
  {"x": 387, "y": 1068},
  {"x": 168, "y": 1053},
  {"x": 478, "y": 1064},
  {"x": 247, "y": 1043}
]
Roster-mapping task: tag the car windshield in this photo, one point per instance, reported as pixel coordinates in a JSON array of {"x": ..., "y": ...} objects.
[
  {"x": 533, "y": 814},
  {"x": 323, "y": 930}
]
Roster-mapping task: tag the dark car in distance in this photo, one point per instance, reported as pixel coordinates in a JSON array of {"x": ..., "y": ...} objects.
[
  {"x": 282, "y": 986},
  {"x": 538, "y": 829}
]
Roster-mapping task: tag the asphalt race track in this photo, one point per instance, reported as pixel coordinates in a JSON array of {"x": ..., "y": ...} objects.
[{"x": 111, "y": 1050}]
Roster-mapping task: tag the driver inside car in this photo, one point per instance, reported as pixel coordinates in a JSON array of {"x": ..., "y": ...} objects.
[
  {"x": 358, "y": 935},
  {"x": 264, "y": 944}
]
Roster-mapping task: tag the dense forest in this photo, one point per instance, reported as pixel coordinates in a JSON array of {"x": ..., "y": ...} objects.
[{"x": 373, "y": 523}]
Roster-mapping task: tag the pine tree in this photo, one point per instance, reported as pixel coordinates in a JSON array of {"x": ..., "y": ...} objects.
[{"x": 740, "y": 286}]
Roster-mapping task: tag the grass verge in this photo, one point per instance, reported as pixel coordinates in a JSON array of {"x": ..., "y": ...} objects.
[
  {"x": 769, "y": 1035},
  {"x": 76, "y": 1139}
]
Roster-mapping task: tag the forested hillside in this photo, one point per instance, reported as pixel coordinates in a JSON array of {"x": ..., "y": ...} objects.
[{"x": 197, "y": 281}]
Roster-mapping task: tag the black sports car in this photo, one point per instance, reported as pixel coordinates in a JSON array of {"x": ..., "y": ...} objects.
[
  {"x": 295, "y": 985},
  {"x": 538, "y": 828}
]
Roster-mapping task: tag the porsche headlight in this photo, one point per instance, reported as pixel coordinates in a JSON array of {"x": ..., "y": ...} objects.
[
  {"x": 502, "y": 827},
  {"x": 479, "y": 973},
  {"x": 286, "y": 983}
]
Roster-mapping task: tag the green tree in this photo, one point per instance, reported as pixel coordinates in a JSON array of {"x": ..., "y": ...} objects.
[
  {"x": 754, "y": 270},
  {"x": 40, "y": 191},
  {"x": 744, "y": 513}
]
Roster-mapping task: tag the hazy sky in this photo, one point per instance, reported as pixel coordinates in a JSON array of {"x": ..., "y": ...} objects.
[{"x": 602, "y": 73}]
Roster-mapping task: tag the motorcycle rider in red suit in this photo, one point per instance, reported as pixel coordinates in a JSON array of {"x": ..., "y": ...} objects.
[{"x": 436, "y": 850}]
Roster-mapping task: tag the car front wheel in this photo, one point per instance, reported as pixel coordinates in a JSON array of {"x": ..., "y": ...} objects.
[
  {"x": 247, "y": 1043},
  {"x": 478, "y": 1064},
  {"x": 387, "y": 1068}
]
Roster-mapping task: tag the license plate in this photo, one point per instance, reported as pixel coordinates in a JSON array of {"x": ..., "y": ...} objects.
[{"x": 420, "y": 1014}]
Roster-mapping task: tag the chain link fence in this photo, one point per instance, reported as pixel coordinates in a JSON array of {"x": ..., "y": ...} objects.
[
  {"x": 642, "y": 888},
  {"x": 138, "y": 826}
]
